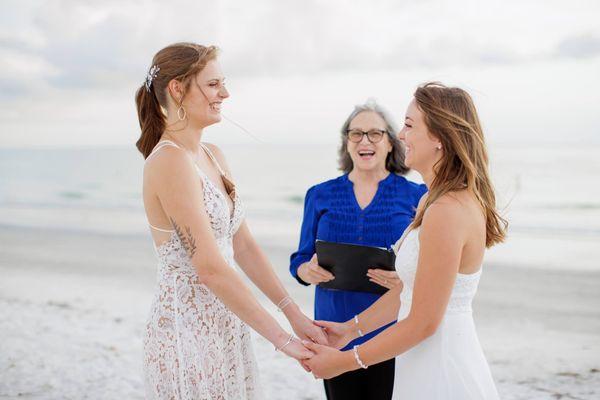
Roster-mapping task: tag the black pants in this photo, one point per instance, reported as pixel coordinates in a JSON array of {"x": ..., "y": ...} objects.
[{"x": 373, "y": 383}]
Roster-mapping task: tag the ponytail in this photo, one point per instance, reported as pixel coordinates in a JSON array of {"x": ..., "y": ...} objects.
[
  {"x": 181, "y": 61},
  {"x": 151, "y": 118}
]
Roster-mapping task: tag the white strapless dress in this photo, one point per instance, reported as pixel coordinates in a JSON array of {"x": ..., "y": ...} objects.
[{"x": 450, "y": 364}]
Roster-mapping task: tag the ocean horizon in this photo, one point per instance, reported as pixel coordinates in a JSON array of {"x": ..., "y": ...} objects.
[{"x": 546, "y": 193}]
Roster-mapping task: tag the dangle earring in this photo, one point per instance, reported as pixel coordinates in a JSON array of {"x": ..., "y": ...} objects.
[{"x": 181, "y": 113}]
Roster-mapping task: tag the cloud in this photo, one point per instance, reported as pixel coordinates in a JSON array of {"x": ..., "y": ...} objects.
[
  {"x": 88, "y": 45},
  {"x": 579, "y": 47}
]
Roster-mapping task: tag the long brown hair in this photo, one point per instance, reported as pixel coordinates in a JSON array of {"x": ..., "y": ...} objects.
[
  {"x": 180, "y": 61},
  {"x": 451, "y": 117}
]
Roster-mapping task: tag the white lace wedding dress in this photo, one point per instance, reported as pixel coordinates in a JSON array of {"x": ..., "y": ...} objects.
[
  {"x": 195, "y": 348},
  {"x": 450, "y": 364}
]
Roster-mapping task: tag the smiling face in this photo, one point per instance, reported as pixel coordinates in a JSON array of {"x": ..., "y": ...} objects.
[
  {"x": 365, "y": 155},
  {"x": 422, "y": 149},
  {"x": 205, "y": 95}
]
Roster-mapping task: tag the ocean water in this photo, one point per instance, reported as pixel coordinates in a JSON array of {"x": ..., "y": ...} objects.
[{"x": 550, "y": 195}]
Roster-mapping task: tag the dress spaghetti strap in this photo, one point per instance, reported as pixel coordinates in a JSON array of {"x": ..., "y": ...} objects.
[
  {"x": 161, "y": 229},
  {"x": 228, "y": 183},
  {"x": 212, "y": 158},
  {"x": 159, "y": 146}
]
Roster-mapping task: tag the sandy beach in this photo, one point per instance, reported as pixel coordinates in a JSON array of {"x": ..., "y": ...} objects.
[
  {"x": 73, "y": 306},
  {"x": 79, "y": 88}
]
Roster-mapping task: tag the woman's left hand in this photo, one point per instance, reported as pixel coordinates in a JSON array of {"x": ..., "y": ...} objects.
[
  {"x": 305, "y": 328},
  {"x": 387, "y": 279},
  {"x": 327, "y": 362}
]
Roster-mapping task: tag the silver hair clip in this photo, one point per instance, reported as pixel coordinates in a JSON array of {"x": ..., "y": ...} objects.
[
  {"x": 152, "y": 73},
  {"x": 371, "y": 102}
]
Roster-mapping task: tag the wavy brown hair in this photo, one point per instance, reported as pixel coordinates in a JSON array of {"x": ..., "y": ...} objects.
[
  {"x": 180, "y": 61},
  {"x": 451, "y": 117}
]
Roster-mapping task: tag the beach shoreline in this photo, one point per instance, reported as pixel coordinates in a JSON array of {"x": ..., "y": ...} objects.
[{"x": 73, "y": 307}]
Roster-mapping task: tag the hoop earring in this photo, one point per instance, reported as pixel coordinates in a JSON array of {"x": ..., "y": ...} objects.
[{"x": 179, "y": 111}]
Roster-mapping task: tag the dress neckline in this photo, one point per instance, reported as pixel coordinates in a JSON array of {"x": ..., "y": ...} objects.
[
  {"x": 416, "y": 230},
  {"x": 228, "y": 184},
  {"x": 375, "y": 198},
  {"x": 232, "y": 195}
]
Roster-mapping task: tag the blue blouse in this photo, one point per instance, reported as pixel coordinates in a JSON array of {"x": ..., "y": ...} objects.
[{"x": 332, "y": 213}]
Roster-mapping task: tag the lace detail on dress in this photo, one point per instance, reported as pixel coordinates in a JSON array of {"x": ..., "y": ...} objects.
[
  {"x": 195, "y": 347},
  {"x": 464, "y": 289}
]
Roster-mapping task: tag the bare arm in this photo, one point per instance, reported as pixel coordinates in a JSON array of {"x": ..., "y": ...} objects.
[
  {"x": 382, "y": 312},
  {"x": 255, "y": 264},
  {"x": 442, "y": 237},
  {"x": 179, "y": 189}
]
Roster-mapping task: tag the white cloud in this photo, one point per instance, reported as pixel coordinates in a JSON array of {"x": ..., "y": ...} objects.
[
  {"x": 63, "y": 61},
  {"x": 86, "y": 40},
  {"x": 581, "y": 46}
]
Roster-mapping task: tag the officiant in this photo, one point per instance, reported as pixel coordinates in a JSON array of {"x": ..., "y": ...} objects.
[{"x": 371, "y": 204}]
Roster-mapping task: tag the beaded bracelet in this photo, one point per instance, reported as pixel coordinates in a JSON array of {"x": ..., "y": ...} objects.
[
  {"x": 357, "y": 358},
  {"x": 360, "y": 333}
]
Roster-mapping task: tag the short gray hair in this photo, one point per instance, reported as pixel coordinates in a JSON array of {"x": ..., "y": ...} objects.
[{"x": 395, "y": 160}]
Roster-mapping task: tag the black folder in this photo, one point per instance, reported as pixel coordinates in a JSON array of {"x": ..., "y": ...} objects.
[{"x": 349, "y": 264}]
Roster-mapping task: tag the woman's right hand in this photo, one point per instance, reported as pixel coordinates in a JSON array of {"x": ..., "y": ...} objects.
[
  {"x": 311, "y": 272},
  {"x": 339, "y": 334},
  {"x": 297, "y": 350}
]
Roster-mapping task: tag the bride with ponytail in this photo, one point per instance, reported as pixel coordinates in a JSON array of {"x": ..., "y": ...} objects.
[{"x": 197, "y": 343}]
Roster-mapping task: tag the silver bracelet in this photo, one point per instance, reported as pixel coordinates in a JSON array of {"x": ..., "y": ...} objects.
[
  {"x": 357, "y": 358},
  {"x": 286, "y": 343},
  {"x": 357, "y": 328},
  {"x": 286, "y": 301}
]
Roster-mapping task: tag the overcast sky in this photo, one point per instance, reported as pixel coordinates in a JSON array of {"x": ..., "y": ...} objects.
[{"x": 69, "y": 69}]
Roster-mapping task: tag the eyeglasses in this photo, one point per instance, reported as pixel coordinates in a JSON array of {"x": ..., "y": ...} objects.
[{"x": 373, "y": 136}]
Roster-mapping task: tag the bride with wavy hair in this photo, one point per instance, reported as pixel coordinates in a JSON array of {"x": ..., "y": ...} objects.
[
  {"x": 197, "y": 343},
  {"x": 439, "y": 260}
]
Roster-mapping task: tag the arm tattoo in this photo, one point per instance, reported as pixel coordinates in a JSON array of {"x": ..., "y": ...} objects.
[{"x": 186, "y": 238}]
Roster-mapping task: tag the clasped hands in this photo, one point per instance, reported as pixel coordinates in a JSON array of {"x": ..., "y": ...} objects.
[{"x": 317, "y": 350}]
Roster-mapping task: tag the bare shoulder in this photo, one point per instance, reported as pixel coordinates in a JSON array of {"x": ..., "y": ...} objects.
[
  {"x": 450, "y": 210},
  {"x": 217, "y": 152},
  {"x": 168, "y": 162},
  {"x": 219, "y": 155}
]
